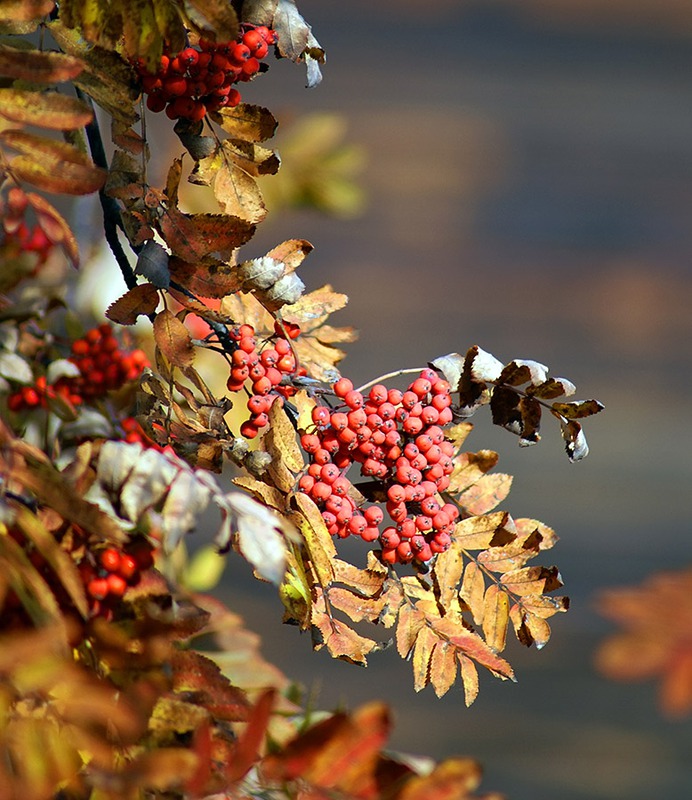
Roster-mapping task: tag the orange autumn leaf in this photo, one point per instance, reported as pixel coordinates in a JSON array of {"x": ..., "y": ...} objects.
[{"x": 655, "y": 641}]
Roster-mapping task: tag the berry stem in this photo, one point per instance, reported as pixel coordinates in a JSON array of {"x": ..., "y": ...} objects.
[{"x": 388, "y": 376}]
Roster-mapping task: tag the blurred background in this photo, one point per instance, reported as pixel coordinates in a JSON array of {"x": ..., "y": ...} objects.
[{"x": 526, "y": 171}]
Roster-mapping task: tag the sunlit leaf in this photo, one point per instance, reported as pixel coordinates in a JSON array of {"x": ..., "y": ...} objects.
[
  {"x": 44, "y": 109},
  {"x": 141, "y": 299},
  {"x": 38, "y": 67},
  {"x": 173, "y": 339}
]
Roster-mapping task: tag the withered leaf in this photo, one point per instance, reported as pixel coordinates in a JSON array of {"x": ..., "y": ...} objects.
[
  {"x": 472, "y": 591},
  {"x": 141, "y": 299},
  {"x": 208, "y": 279},
  {"x": 54, "y": 226},
  {"x": 44, "y": 109},
  {"x": 21, "y": 10},
  {"x": 453, "y": 778},
  {"x": 495, "y": 617},
  {"x": 578, "y": 409},
  {"x": 318, "y": 543},
  {"x": 443, "y": 668},
  {"x": 38, "y": 67},
  {"x": 489, "y": 530},
  {"x": 173, "y": 339},
  {"x": 485, "y": 494},
  {"x": 410, "y": 622},
  {"x": 245, "y": 121},
  {"x": 341, "y": 641},
  {"x": 284, "y": 442},
  {"x": 422, "y": 653},
  {"x": 532, "y": 580},
  {"x": 469, "y": 677}
]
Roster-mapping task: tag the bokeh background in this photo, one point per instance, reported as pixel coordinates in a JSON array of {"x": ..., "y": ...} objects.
[{"x": 528, "y": 172}]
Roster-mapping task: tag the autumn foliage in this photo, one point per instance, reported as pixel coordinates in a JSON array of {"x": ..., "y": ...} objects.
[{"x": 120, "y": 679}]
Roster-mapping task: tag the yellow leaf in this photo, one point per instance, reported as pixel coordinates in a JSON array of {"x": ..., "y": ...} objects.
[
  {"x": 44, "y": 109},
  {"x": 422, "y": 653},
  {"x": 495, "y": 618},
  {"x": 472, "y": 591},
  {"x": 489, "y": 530},
  {"x": 469, "y": 677},
  {"x": 410, "y": 622},
  {"x": 318, "y": 542},
  {"x": 443, "y": 668},
  {"x": 25, "y": 10},
  {"x": 262, "y": 491},
  {"x": 245, "y": 121},
  {"x": 484, "y": 495},
  {"x": 284, "y": 438},
  {"x": 532, "y": 580},
  {"x": 76, "y": 179}
]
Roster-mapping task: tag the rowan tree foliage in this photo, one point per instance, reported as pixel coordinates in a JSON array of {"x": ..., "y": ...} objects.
[{"x": 119, "y": 679}]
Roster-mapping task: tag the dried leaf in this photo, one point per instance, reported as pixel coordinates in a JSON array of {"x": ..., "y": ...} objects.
[
  {"x": 54, "y": 226},
  {"x": 44, "y": 109},
  {"x": 469, "y": 677},
  {"x": 173, "y": 339},
  {"x": 141, "y": 299},
  {"x": 485, "y": 494},
  {"x": 443, "y": 668},
  {"x": 35, "y": 66},
  {"x": 247, "y": 122},
  {"x": 341, "y": 641},
  {"x": 410, "y": 623},
  {"x": 472, "y": 591},
  {"x": 495, "y": 618},
  {"x": 487, "y": 531},
  {"x": 422, "y": 653},
  {"x": 318, "y": 543},
  {"x": 259, "y": 534}
]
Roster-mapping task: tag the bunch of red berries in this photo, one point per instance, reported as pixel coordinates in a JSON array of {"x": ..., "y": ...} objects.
[
  {"x": 41, "y": 394},
  {"x": 103, "y": 366},
  {"x": 20, "y": 236},
  {"x": 266, "y": 369},
  {"x": 398, "y": 440},
  {"x": 195, "y": 81},
  {"x": 108, "y": 577}
]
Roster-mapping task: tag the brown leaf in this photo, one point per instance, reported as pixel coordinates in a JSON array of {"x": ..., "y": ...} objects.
[
  {"x": 54, "y": 226},
  {"x": 245, "y": 121},
  {"x": 44, "y": 109},
  {"x": 141, "y": 299},
  {"x": 26, "y": 10},
  {"x": 59, "y": 560},
  {"x": 340, "y": 754},
  {"x": 173, "y": 339},
  {"x": 470, "y": 467},
  {"x": 38, "y": 67},
  {"x": 532, "y": 580},
  {"x": 340, "y": 640},
  {"x": 292, "y": 253},
  {"x": 208, "y": 279},
  {"x": 578, "y": 410},
  {"x": 473, "y": 646}
]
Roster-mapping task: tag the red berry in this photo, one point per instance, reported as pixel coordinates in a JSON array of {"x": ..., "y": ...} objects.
[
  {"x": 110, "y": 559},
  {"x": 116, "y": 585},
  {"x": 97, "y": 588},
  {"x": 342, "y": 387},
  {"x": 128, "y": 568}
]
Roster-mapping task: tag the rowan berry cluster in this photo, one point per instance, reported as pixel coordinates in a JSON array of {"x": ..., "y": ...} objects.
[
  {"x": 102, "y": 365},
  {"x": 108, "y": 575},
  {"x": 268, "y": 370},
  {"x": 397, "y": 438},
  {"x": 194, "y": 82},
  {"x": 20, "y": 235}
]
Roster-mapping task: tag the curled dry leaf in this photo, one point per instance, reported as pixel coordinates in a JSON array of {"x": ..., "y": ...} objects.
[{"x": 141, "y": 299}]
